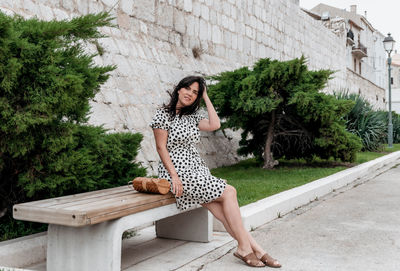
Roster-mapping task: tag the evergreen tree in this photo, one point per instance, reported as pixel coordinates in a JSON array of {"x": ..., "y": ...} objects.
[
  {"x": 47, "y": 149},
  {"x": 281, "y": 111}
]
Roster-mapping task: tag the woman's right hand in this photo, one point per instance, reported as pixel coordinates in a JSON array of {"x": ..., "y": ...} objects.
[{"x": 177, "y": 187}]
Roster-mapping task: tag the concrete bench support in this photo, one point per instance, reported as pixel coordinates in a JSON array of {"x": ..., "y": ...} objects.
[
  {"x": 195, "y": 225},
  {"x": 98, "y": 247}
]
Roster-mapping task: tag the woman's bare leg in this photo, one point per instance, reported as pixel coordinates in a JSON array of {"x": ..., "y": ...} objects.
[
  {"x": 216, "y": 209},
  {"x": 231, "y": 211}
]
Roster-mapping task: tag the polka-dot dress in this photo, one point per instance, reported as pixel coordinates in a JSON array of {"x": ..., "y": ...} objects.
[{"x": 199, "y": 186}]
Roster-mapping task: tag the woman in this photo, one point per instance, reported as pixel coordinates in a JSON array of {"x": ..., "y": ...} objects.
[{"x": 176, "y": 130}]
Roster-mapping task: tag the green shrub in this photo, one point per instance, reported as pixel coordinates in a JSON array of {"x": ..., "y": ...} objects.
[
  {"x": 365, "y": 122},
  {"x": 47, "y": 149},
  {"x": 396, "y": 128},
  {"x": 279, "y": 107}
]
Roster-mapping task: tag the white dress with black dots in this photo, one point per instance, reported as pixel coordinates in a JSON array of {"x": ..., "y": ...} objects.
[{"x": 199, "y": 186}]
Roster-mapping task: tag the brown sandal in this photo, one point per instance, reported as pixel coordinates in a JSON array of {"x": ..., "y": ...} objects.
[
  {"x": 269, "y": 261},
  {"x": 250, "y": 259}
]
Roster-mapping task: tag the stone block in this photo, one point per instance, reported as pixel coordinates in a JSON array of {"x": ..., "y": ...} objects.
[
  {"x": 179, "y": 21},
  {"x": 69, "y": 5},
  {"x": 165, "y": 15},
  {"x": 240, "y": 43},
  {"x": 123, "y": 20},
  {"x": 47, "y": 12},
  {"x": 213, "y": 17},
  {"x": 60, "y": 14},
  {"x": 234, "y": 40},
  {"x": 31, "y": 8},
  {"x": 190, "y": 22},
  {"x": 231, "y": 25},
  {"x": 226, "y": 8},
  {"x": 205, "y": 13},
  {"x": 145, "y": 9},
  {"x": 95, "y": 7},
  {"x": 249, "y": 32},
  {"x": 82, "y": 6},
  {"x": 196, "y": 9},
  {"x": 110, "y": 3},
  {"x": 126, "y": 6},
  {"x": 203, "y": 29},
  {"x": 225, "y": 22},
  {"x": 187, "y": 5},
  {"x": 227, "y": 38},
  {"x": 216, "y": 34},
  {"x": 234, "y": 12}
]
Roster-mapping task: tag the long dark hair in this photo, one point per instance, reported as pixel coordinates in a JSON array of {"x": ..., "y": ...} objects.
[{"x": 187, "y": 110}]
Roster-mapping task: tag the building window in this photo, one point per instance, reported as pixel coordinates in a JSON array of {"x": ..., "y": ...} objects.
[
  {"x": 355, "y": 65},
  {"x": 391, "y": 80},
  {"x": 359, "y": 91},
  {"x": 377, "y": 98},
  {"x": 359, "y": 64}
]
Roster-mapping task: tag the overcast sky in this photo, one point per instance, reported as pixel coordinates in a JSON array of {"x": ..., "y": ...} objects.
[{"x": 384, "y": 15}]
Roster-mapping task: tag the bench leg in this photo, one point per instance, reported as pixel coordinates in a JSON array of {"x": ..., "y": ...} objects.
[
  {"x": 96, "y": 247},
  {"x": 195, "y": 225}
]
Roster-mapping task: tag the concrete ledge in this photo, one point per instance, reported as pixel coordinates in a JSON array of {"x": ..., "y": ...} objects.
[
  {"x": 23, "y": 251},
  {"x": 265, "y": 210}
]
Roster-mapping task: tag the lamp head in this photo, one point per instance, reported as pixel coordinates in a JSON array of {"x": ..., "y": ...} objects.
[{"x": 388, "y": 43}]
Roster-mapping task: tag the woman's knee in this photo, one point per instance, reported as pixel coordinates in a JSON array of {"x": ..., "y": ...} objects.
[{"x": 229, "y": 191}]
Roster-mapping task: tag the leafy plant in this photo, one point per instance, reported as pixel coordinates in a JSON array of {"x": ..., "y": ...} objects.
[
  {"x": 363, "y": 121},
  {"x": 47, "y": 149},
  {"x": 282, "y": 112}
]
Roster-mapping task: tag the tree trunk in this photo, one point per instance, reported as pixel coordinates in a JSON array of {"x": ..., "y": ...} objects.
[{"x": 269, "y": 161}]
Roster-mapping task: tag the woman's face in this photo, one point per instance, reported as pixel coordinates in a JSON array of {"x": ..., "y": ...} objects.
[{"x": 187, "y": 95}]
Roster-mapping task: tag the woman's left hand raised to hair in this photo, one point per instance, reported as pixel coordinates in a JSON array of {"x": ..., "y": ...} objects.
[
  {"x": 205, "y": 92},
  {"x": 213, "y": 123}
]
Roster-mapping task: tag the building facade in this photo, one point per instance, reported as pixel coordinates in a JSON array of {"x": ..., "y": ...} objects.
[
  {"x": 395, "y": 81},
  {"x": 365, "y": 55}
]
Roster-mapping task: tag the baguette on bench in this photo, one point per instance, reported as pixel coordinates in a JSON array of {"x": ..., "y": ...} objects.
[{"x": 150, "y": 185}]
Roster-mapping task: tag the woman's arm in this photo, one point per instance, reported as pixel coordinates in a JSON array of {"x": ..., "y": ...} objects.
[
  {"x": 213, "y": 122},
  {"x": 161, "y": 137}
]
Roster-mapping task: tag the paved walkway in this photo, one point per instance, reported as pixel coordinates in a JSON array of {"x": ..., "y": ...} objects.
[{"x": 357, "y": 229}]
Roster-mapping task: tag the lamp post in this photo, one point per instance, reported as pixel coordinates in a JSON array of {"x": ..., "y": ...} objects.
[{"x": 388, "y": 44}]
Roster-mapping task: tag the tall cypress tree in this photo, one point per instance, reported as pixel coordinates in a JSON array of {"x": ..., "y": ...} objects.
[{"x": 281, "y": 111}]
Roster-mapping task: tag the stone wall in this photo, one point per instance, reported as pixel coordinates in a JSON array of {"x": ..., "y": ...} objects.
[
  {"x": 153, "y": 48},
  {"x": 373, "y": 93}
]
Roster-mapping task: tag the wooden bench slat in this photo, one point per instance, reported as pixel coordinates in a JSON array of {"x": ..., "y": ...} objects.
[
  {"x": 98, "y": 199},
  {"x": 112, "y": 206},
  {"x": 91, "y": 194},
  {"x": 61, "y": 217},
  {"x": 131, "y": 210},
  {"x": 101, "y": 204}
]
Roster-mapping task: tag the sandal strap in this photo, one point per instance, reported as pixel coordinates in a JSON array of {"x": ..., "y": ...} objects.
[
  {"x": 250, "y": 259},
  {"x": 269, "y": 261}
]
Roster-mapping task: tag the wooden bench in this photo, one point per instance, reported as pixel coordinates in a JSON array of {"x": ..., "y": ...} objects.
[{"x": 85, "y": 230}]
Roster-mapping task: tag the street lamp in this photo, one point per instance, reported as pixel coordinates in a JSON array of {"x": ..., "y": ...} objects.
[{"x": 388, "y": 44}]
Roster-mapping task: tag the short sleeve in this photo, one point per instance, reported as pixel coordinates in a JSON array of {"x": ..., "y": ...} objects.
[
  {"x": 198, "y": 117},
  {"x": 160, "y": 120}
]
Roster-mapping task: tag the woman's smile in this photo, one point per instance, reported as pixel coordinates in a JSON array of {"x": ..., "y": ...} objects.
[{"x": 187, "y": 95}]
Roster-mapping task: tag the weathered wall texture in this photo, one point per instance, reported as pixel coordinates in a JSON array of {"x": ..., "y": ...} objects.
[
  {"x": 373, "y": 93},
  {"x": 153, "y": 43}
]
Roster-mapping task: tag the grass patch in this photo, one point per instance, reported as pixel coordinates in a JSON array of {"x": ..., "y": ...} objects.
[{"x": 254, "y": 183}]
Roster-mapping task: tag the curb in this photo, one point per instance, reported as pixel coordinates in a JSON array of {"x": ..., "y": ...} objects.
[{"x": 265, "y": 210}]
